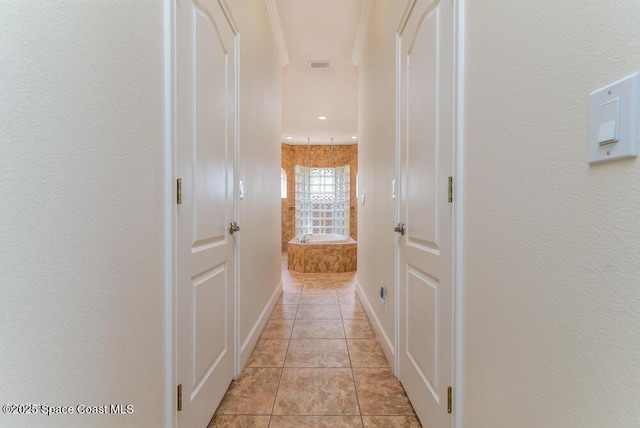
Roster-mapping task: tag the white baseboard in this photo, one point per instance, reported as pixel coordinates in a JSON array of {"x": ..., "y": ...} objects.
[
  {"x": 252, "y": 338},
  {"x": 381, "y": 335}
]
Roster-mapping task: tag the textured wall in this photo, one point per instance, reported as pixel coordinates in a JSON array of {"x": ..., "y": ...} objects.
[
  {"x": 288, "y": 215},
  {"x": 259, "y": 211},
  {"x": 552, "y": 245},
  {"x": 82, "y": 247},
  {"x": 320, "y": 156},
  {"x": 377, "y": 140}
]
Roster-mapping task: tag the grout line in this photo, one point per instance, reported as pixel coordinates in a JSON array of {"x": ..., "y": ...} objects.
[
  {"x": 275, "y": 398},
  {"x": 353, "y": 375},
  {"x": 295, "y": 318},
  {"x": 337, "y": 415},
  {"x": 289, "y": 340}
]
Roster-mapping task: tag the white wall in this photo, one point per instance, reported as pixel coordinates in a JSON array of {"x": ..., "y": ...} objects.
[
  {"x": 552, "y": 245},
  {"x": 376, "y": 167},
  {"x": 81, "y": 224},
  {"x": 260, "y": 122}
]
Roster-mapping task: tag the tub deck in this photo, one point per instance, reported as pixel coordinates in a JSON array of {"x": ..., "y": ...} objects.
[{"x": 319, "y": 257}]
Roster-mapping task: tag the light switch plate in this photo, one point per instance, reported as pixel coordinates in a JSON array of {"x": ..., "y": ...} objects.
[{"x": 613, "y": 128}]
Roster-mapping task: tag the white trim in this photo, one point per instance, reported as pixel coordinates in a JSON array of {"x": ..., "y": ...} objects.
[
  {"x": 252, "y": 338},
  {"x": 171, "y": 260},
  {"x": 237, "y": 364},
  {"x": 361, "y": 34},
  {"x": 458, "y": 256},
  {"x": 398, "y": 207},
  {"x": 383, "y": 339},
  {"x": 274, "y": 16}
]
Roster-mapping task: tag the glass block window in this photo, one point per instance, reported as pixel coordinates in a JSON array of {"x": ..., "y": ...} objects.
[
  {"x": 322, "y": 200},
  {"x": 283, "y": 184}
]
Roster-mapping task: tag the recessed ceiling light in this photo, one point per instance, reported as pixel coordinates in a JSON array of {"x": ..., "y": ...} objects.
[
  {"x": 289, "y": 137},
  {"x": 353, "y": 137},
  {"x": 322, "y": 117}
]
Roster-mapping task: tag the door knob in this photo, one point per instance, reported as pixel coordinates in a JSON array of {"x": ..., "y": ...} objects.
[
  {"x": 233, "y": 227},
  {"x": 399, "y": 228}
]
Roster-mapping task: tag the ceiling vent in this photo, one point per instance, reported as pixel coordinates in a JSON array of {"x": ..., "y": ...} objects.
[{"x": 319, "y": 63}]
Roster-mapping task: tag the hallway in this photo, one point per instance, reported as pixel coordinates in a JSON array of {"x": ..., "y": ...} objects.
[{"x": 317, "y": 364}]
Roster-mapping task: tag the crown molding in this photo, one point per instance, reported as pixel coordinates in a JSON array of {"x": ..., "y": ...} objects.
[
  {"x": 274, "y": 16},
  {"x": 361, "y": 35}
]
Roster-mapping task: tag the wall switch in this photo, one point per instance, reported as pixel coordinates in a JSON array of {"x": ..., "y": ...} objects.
[
  {"x": 613, "y": 128},
  {"x": 241, "y": 189},
  {"x": 608, "y": 123}
]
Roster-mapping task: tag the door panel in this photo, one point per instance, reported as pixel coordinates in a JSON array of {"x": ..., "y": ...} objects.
[
  {"x": 205, "y": 122},
  {"x": 209, "y": 318},
  {"x": 422, "y": 134},
  {"x": 422, "y": 346},
  {"x": 426, "y": 270},
  {"x": 210, "y": 71}
]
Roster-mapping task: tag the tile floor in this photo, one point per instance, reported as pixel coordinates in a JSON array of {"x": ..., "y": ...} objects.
[{"x": 317, "y": 364}]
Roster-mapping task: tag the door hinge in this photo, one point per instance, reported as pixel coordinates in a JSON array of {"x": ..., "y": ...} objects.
[
  {"x": 450, "y": 189},
  {"x": 180, "y": 397},
  {"x": 449, "y": 399},
  {"x": 179, "y": 191}
]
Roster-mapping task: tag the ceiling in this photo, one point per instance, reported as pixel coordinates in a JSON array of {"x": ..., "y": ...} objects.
[{"x": 324, "y": 30}]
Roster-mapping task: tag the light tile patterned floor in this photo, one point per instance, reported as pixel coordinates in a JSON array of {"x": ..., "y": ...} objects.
[{"x": 317, "y": 364}]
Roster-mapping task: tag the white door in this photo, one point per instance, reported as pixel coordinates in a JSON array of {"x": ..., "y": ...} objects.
[
  {"x": 426, "y": 56},
  {"x": 205, "y": 131}
]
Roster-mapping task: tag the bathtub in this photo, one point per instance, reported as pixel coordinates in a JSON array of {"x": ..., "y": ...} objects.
[
  {"x": 323, "y": 253},
  {"x": 326, "y": 239}
]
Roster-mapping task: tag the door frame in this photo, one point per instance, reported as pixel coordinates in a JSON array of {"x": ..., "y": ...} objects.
[
  {"x": 171, "y": 209},
  {"x": 458, "y": 209},
  {"x": 459, "y": 212}
]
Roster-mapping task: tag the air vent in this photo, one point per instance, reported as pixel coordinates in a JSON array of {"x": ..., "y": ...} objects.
[{"x": 319, "y": 64}]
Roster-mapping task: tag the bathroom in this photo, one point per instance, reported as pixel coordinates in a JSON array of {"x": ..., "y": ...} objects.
[{"x": 320, "y": 242}]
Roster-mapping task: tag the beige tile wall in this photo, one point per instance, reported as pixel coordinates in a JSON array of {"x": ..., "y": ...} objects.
[
  {"x": 322, "y": 258},
  {"x": 319, "y": 156}
]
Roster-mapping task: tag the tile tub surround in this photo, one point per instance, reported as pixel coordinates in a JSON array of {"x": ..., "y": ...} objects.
[
  {"x": 317, "y": 365},
  {"x": 320, "y": 156},
  {"x": 321, "y": 257}
]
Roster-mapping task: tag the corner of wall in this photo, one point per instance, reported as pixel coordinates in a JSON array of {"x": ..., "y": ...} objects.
[
  {"x": 249, "y": 344},
  {"x": 387, "y": 344}
]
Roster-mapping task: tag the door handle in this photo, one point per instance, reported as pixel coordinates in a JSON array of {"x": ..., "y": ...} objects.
[
  {"x": 233, "y": 228},
  {"x": 399, "y": 228}
]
